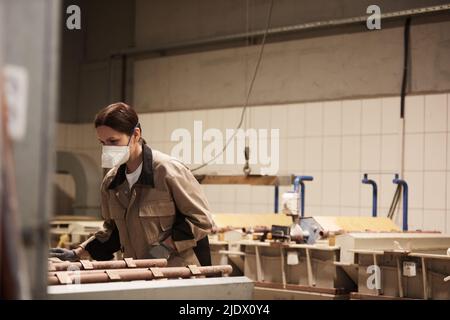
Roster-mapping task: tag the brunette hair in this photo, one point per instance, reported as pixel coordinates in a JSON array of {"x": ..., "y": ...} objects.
[{"x": 120, "y": 117}]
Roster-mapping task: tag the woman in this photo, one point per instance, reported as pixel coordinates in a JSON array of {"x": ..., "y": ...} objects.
[{"x": 152, "y": 205}]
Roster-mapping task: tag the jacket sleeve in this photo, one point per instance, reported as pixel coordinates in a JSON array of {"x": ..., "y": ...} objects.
[
  {"x": 106, "y": 241},
  {"x": 193, "y": 221}
]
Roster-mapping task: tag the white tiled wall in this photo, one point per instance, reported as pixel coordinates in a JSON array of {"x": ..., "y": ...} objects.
[{"x": 336, "y": 142}]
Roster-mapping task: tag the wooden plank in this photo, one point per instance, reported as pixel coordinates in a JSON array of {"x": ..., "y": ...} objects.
[
  {"x": 63, "y": 278},
  {"x": 297, "y": 287},
  {"x": 253, "y": 243},
  {"x": 367, "y": 296},
  {"x": 397, "y": 251},
  {"x": 345, "y": 264},
  {"x": 113, "y": 275},
  {"x": 260, "y": 293},
  {"x": 232, "y": 253},
  {"x": 255, "y": 180},
  {"x": 366, "y": 251},
  {"x": 213, "y": 242},
  {"x": 365, "y": 224},
  {"x": 289, "y": 245},
  {"x": 250, "y": 220},
  {"x": 129, "y": 262},
  {"x": 194, "y": 270},
  {"x": 87, "y": 265},
  {"x": 313, "y": 247},
  {"x": 430, "y": 255}
]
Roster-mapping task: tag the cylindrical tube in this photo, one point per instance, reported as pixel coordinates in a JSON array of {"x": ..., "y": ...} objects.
[
  {"x": 92, "y": 276},
  {"x": 115, "y": 264}
]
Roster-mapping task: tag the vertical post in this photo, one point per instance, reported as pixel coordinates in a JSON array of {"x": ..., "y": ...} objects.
[
  {"x": 39, "y": 35},
  {"x": 424, "y": 279},
  {"x": 277, "y": 192},
  {"x": 283, "y": 271},
  {"x": 302, "y": 199},
  {"x": 399, "y": 278},
  {"x": 405, "y": 207},
  {"x": 259, "y": 274},
  {"x": 311, "y": 281},
  {"x": 299, "y": 181}
]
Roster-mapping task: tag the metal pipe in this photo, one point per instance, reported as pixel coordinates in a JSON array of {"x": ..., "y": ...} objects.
[
  {"x": 118, "y": 264},
  {"x": 278, "y": 30},
  {"x": 365, "y": 180},
  {"x": 145, "y": 274},
  {"x": 299, "y": 180},
  {"x": 124, "y": 74},
  {"x": 405, "y": 200},
  {"x": 277, "y": 193}
]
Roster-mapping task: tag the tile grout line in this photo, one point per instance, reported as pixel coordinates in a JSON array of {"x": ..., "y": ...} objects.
[
  {"x": 360, "y": 152},
  {"x": 423, "y": 160},
  {"x": 380, "y": 158},
  {"x": 340, "y": 157},
  {"x": 446, "y": 166},
  {"x": 322, "y": 156}
]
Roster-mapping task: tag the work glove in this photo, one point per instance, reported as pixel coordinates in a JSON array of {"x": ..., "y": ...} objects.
[
  {"x": 63, "y": 254},
  {"x": 160, "y": 251}
]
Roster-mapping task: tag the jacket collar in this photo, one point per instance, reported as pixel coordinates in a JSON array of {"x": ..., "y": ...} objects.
[{"x": 146, "y": 177}]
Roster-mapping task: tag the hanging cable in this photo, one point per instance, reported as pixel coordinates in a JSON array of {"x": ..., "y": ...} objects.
[
  {"x": 249, "y": 92},
  {"x": 405, "y": 66},
  {"x": 247, "y": 170},
  {"x": 395, "y": 202},
  {"x": 406, "y": 53}
]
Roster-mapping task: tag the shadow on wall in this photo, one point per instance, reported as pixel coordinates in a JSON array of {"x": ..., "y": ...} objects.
[
  {"x": 64, "y": 194},
  {"x": 81, "y": 194}
]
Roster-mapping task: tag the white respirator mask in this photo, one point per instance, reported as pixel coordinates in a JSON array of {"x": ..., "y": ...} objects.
[{"x": 113, "y": 156}]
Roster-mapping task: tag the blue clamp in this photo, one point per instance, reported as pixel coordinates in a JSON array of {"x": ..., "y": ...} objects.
[
  {"x": 299, "y": 181},
  {"x": 365, "y": 180}
]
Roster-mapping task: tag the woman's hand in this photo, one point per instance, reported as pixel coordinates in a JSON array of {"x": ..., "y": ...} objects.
[{"x": 63, "y": 254}]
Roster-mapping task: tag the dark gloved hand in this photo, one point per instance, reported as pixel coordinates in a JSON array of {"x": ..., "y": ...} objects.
[
  {"x": 160, "y": 251},
  {"x": 63, "y": 254}
]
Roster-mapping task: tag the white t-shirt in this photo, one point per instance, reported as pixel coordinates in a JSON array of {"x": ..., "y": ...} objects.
[{"x": 134, "y": 176}]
